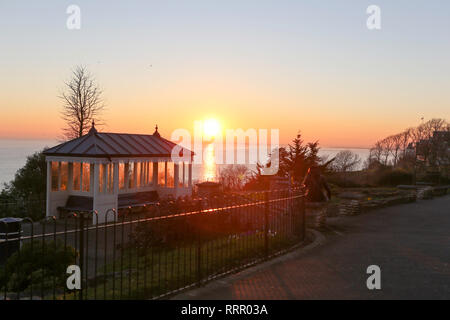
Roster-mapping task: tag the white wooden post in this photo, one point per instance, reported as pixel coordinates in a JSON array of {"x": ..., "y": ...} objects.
[
  {"x": 184, "y": 174},
  {"x": 175, "y": 176},
  {"x": 149, "y": 178},
  {"x": 105, "y": 178},
  {"x": 165, "y": 174},
  {"x": 190, "y": 175},
  {"x": 92, "y": 177},
  {"x": 142, "y": 174},
  {"x": 49, "y": 189},
  {"x": 116, "y": 188},
  {"x": 70, "y": 177},
  {"x": 134, "y": 175},
  {"x": 116, "y": 179},
  {"x": 126, "y": 174},
  {"x": 96, "y": 191},
  {"x": 155, "y": 174}
]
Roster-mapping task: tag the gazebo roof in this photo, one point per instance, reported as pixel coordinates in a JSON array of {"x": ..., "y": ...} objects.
[{"x": 109, "y": 145}]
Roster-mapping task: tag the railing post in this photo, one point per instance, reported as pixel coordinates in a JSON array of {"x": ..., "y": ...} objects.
[
  {"x": 199, "y": 245},
  {"x": 302, "y": 216},
  {"x": 266, "y": 224},
  {"x": 81, "y": 246}
]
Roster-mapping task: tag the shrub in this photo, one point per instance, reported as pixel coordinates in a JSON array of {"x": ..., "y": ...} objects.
[
  {"x": 37, "y": 264},
  {"x": 395, "y": 177},
  {"x": 433, "y": 177},
  {"x": 345, "y": 179}
]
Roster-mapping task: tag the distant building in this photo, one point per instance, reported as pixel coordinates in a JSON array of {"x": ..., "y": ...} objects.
[
  {"x": 101, "y": 171},
  {"x": 410, "y": 150},
  {"x": 436, "y": 150},
  {"x": 434, "y": 154}
]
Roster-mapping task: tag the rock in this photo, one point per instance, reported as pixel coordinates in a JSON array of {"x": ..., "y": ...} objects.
[
  {"x": 350, "y": 208},
  {"x": 407, "y": 187},
  {"x": 425, "y": 193},
  {"x": 316, "y": 215}
]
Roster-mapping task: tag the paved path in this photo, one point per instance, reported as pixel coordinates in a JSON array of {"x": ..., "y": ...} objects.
[{"x": 410, "y": 243}]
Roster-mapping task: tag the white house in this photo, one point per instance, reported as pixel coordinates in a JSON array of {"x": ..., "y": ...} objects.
[{"x": 100, "y": 171}]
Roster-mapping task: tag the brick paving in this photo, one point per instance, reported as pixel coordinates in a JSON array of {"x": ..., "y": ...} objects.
[{"x": 410, "y": 243}]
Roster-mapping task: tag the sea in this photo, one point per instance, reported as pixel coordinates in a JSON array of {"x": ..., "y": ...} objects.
[{"x": 14, "y": 152}]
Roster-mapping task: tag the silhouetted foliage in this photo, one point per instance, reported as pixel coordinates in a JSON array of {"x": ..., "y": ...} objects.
[
  {"x": 32, "y": 266},
  {"x": 345, "y": 160},
  {"x": 294, "y": 161},
  {"x": 234, "y": 177},
  {"x": 394, "y": 177},
  {"x": 26, "y": 194}
]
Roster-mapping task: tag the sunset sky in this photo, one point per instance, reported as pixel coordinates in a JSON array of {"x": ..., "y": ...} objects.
[{"x": 290, "y": 65}]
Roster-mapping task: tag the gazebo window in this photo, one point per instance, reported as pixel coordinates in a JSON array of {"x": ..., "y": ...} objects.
[
  {"x": 150, "y": 173},
  {"x": 105, "y": 178},
  {"x": 161, "y": 173},
  {"x": 101, "y": 175},
  {"x": 76, "y": 176},
  {"x": 64, "y": 175},
  {"x": 144, "y": 171},
  {"x": 131, "y": 175},
  {"x": 121, "y": 176},
  {"x": 110, "y": 178},
  {"x": 180, "y": 175},
  {"x": 55, "y": 174},
  {"x": 170, "y": 174},
  {"x": 86, "y": 177},
  {"x": 138, "y": 174}
]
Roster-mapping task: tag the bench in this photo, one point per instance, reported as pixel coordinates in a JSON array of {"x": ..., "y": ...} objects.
[
  {"x": 137, "y": 199},
  {"x": 77, "y": 204}
]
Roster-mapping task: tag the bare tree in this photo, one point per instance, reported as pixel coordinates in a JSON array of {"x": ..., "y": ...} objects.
[
  {"x": 388, "y": 146},
  {"x": 434, "y": 125},
  {"x": 345, "y": 160},
  {"x": 82, "y": 103},
  {"x": 234, "y": 177},
  {"x": 425, "y": 141},
  {"x": 405, "y": 139},
  {"x": 396, "y": 147},
  {"x": 376, "y": 153},
  {"x": 423, "y": 135}
]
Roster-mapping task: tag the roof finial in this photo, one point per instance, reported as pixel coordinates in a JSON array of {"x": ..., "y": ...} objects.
[
  {"x": 93, "y": 130},
  {"x": 156, "y": 133}
]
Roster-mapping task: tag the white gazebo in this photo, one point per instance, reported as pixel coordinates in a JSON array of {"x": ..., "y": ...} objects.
[{"x": 101, "y": 171}]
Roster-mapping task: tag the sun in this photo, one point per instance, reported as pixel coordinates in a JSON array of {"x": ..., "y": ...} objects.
[{"x": 211, "y": 128}]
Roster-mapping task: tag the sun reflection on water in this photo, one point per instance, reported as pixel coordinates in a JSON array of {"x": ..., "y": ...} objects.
[{"x": 209, "y": 164}]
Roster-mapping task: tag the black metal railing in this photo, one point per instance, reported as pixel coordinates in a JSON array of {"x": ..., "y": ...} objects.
[{"x": 148, "y": 253}]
